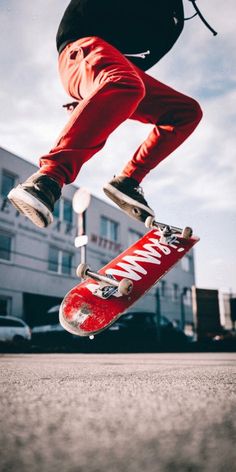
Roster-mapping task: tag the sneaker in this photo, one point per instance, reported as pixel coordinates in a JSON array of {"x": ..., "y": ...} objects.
[
  {"x": 128, "y": 195},
  {"x": 35, "y": 198}
]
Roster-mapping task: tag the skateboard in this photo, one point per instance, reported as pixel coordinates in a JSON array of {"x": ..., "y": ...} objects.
[{"x": 103, "y": 296}]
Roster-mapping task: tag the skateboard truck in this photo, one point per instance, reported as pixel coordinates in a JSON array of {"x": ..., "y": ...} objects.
[
  {"x": 108, "y": 285},
  {"x": 168, "y": 232}
]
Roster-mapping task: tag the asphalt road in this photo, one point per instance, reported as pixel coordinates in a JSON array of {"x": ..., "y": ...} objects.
[{"x": 118, "y": 413}]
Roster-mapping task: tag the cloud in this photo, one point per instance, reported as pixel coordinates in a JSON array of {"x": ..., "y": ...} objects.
[
  {"x": 196, "y": 184},
  {"x": 198, "y": 65}
]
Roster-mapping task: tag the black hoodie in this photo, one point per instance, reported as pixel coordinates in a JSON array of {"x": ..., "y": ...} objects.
[{"x": 132, "y": 26}]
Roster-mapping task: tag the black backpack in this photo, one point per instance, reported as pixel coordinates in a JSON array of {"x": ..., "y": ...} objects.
[
  {"x": 162, "y": 31},
  {"x": 140, "y": 31}
]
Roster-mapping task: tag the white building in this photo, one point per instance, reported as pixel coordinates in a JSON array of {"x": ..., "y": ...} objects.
[{"x": 37, "y": 266}]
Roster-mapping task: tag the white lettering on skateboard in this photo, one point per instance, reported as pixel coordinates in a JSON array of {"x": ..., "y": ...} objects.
[
  {"x": 131, "y": 267},
  {"x": 151, "y": 253}
]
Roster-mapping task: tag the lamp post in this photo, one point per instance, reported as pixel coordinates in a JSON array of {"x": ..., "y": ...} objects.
[{"x": 80, "y": 203}]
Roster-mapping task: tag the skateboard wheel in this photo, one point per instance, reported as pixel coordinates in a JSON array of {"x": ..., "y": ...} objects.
[
  {"x": 187, "y": 232},
  {"x": 125, "y": 286},
  {"x": 149, "y": 222},
  {"x": 81, "y": 270}
]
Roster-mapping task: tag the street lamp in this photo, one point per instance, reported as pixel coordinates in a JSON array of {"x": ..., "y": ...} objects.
[{"x": 80, "y": 203}]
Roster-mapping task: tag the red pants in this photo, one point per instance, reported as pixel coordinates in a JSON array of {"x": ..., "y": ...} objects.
[{"x": 111, "y": 89}]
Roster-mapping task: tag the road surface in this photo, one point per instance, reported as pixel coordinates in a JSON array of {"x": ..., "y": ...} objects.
[{"x": 118, "y": 413}]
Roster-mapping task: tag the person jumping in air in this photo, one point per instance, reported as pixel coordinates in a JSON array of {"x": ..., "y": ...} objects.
[{"x": 104, "y": 49}]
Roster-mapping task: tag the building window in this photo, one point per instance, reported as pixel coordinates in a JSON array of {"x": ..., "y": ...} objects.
[
  {"x": 7, "y": 183},
  {"x": 56, "y": 211},
  {"x": 187, "y": 298},
  {"x": 5, "y": 246},
  {"x": 67, "y": 211},
  {"x": 66, "y": 262},
  {"x": 109, "y": 229},
  {"x": 133, "y": 236},
  {"x": 163, "y": 288},
  {"x": 175, "y": 292},
  {"x": 60, "y": 261},
  {"x": 63, "y": 210},
  {"x": 185, "y": 263},
  {"x": 5, "y": 306},
  {"x": 53, "y": 259}
]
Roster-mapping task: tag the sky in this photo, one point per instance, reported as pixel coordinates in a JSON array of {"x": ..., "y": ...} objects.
[{"x": 196, "y": 185}]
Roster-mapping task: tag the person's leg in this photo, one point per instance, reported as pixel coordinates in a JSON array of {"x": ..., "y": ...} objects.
[
  {"x": 109, "y": 90},
  {"x": 175, "y": 117}
]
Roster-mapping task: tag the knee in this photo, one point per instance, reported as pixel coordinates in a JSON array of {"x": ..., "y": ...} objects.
[
  {"x": 129, "y": 84},
  {"x": 139, "y": 89},
  {"x": 135, "y": 88}
]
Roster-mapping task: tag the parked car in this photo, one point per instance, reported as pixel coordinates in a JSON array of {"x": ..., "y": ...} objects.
[
  {"x": 14, "y": 332},
  {"x": 137, "y": 332},
  {"x": 51, "y": 338},
  {"x": 223, "y": 341},
  {"x": 133, "y": 332}
]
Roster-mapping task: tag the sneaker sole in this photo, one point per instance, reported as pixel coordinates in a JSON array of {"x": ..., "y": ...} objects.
[
  {"x": 136, "y": 210},
  {"x": 31, "y": 207}
]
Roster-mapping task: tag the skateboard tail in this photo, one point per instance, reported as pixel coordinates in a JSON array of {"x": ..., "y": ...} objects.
[
  {"x": 66, "y": 324},
  {"x": 73, "y": 324},
  {"x": 72, "y": 314}
]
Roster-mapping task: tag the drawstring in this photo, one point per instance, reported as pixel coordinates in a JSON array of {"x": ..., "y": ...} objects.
[
  {"x": 198, "y": 12},
  {"x": 141, "y": 55}
]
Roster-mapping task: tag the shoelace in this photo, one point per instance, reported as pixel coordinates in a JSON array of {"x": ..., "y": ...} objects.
[{"x": 139, "y": 190}]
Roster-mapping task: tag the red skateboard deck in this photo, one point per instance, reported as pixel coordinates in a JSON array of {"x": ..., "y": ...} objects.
[{"x": 145, "y": 263}]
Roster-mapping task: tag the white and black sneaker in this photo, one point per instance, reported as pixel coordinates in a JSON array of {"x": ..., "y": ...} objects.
[
  {"x": 128, "y": 195},
  {"x": 35, "y": 198}
]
